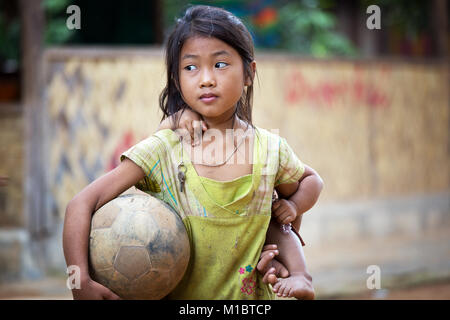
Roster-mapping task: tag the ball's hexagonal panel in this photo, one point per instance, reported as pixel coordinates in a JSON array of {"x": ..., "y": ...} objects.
[
  {"x": 105, "y": 216},
  {"x": 134, "y": 224},
  {"x": 132, "y": 261}
]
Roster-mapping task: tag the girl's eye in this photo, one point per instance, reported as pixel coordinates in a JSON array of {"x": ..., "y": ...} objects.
[
  {"x": 190, "y": 67},
  {"x": 221, "y": 64}
]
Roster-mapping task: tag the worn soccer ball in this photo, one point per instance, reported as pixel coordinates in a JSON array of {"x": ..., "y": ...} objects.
[{"x": 139, "y": 247}]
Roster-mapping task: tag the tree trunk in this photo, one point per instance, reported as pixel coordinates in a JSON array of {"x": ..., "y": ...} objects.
[{"x": 35, "y": 186}]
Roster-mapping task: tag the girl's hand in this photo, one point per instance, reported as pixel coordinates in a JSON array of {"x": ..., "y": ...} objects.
[
  {"x": 91, "y": 290},
  {"x": 285, "y": 211}
]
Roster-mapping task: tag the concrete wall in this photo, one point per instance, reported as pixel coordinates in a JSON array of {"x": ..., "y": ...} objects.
[
  {"x": 377, "y": 132},
  {"x": 406, "y": 237}
]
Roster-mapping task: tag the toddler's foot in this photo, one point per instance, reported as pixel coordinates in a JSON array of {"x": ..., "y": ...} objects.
[
  {"x": 297, "y": 285},
  {"x": 275, "y": 269},
  {"x": 269, "y": 267}
]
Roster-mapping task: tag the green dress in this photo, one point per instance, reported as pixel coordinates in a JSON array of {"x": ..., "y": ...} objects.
[{"x": 226, "y": 221}]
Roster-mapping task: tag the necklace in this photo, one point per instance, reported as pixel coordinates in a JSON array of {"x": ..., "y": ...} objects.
[{"x": 182, "y": 168}]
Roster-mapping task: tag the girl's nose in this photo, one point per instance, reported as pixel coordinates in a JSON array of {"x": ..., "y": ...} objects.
[{"x": 207, "y": 80}]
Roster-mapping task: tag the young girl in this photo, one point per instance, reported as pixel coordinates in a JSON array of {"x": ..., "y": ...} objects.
[{"x": 224, "y": 197}]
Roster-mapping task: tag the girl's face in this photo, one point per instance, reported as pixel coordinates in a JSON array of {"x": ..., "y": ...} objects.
[{"x": 211, "y": 77}]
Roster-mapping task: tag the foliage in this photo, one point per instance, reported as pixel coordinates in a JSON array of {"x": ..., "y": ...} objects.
[
  {"x": 56, "y": 31},
  {"x": 305, "y": 28},
  {"x": 9, "y": 38},
  {"x": 302, "y": 26}
]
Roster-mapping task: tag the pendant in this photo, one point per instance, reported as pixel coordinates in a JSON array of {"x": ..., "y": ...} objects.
[{"x": 181, "y": 175}]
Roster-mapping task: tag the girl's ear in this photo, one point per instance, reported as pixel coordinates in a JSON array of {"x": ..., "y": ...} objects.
[{"x": 249, "y": 80}]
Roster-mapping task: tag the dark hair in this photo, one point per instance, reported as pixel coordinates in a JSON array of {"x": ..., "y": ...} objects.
[{"x": 214, "y": 22}]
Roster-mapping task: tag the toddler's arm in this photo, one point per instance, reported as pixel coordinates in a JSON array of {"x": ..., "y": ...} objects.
[
  {"x": 297, "y": 198},
  {"x": 77, "y": 223}
]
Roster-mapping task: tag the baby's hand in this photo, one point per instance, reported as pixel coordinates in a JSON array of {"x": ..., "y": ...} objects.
[
  {"x": 190, "y": 121},
  {"x": 193, "y": 123},
  {"x": 269, "y": 267},
  {"x": 285, "y": 211}
]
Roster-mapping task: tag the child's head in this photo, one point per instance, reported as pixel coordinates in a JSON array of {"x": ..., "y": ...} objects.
[{"x": 210, "y": 28}]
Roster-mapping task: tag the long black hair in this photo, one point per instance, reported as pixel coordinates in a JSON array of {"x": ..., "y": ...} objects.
[{"x": 214, "y": 22}]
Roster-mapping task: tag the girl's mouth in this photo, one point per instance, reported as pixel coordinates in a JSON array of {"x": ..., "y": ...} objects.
[{"x": 208, "y": 98}]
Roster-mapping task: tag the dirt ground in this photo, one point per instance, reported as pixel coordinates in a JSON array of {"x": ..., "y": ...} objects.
[
  {"x": 45, "y": 289},
  {"x": 428, "y": 291},
  {"x": 55, "y": 289}
]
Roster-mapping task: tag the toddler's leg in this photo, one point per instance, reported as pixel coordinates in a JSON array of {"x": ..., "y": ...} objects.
[{"x": 299, "y": 282}]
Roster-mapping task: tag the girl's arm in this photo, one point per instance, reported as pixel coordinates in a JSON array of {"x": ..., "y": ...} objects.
[
  {"x": 77, "y": 223},
  {"x": 300, "y": 196}
]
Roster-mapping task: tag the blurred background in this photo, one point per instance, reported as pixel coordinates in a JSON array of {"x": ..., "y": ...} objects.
[{"x": 367, "y": 108}]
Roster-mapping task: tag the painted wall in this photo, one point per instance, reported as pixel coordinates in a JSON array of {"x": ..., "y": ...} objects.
[
  {"x": 376, "y": 131},
  {"x": 371, "y": 129}
]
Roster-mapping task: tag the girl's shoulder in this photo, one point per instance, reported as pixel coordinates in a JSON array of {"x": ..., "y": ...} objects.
[
  {"x": 167, "y": 137},
  {"x": 155, "y": 146}
]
